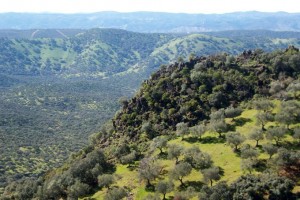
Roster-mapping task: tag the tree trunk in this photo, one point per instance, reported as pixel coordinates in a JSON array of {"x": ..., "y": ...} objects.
[
  {"x": 270, "y": 156},
  {"x": 164, "y": 197},
  {"x": 148, "y": 182},
  {"x": 263, "y": 127},
  {"x": 161, "y": 151},
  {"x": 211, "y": 182},
  {"x": 277, "y": 142},
  {"x": 181, "y": 182},
  {"x": 236, "y": 148},
  {"x": 256, "y": 143}
]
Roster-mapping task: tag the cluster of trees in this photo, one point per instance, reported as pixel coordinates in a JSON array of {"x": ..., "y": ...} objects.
[
  {"x": 264, "y": 186},
  {"x": 287, "y": 115},
  {"x": 87, "y": 171},
  {"x": 192, "y": 158},
  {"x": 186, "y": 92}
]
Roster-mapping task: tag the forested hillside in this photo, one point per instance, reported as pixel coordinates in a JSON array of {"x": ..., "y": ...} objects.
[
  {"x": 56, "y": 91},
  {"x": 95, "y": 52},
  {"x": 105, "y": 52},
  {"x": 215, "y": 127}
]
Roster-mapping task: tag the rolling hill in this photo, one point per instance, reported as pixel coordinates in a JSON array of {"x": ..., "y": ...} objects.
[
  {"x": 57, "y": 91},
  {"x": 218, "y": 126}
]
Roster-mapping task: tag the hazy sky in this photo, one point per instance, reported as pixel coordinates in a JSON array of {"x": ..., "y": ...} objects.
[{"x": 185, "y": 6}]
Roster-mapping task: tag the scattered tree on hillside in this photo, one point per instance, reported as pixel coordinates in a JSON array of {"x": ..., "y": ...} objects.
[
  {"x": 181, "y": 170},
  {"x": 232, "y": 112},
  {"x": 190, "y": 153},
  {"x": 276, "y": 133},
  {"x": 248, "y": 164},
  {"x": 182, "y": 129},
  {"x": 174, "y": 151},
  {"x": 196, "y": 158},
  {"x": 289, "y": 113},
  {"x": 198, "y": 130},
  {"x": 129, "y": 158},
  {"x": 122, "y": 149},
  {"x": 219, "y": 191},
  {"x": 211, "y": 174},
  {"x": 270, "y": 149},
  {"x": 217, "y": 115},
  {"x": 164, "y": 187},
  {"x": 160, "y": 143},
  {"x": 287, "y": 158},
  {"x": 263, "y": 105},
  {"x": 115, "y": 194},
  {"x": 256, "y": 134},
  {"x": 235, "y": 139},
  {"x": 105, "y": 180},
  {"x": 219, "y": 127},
  {"x": 249, "y": 157},
  {"x": 249, "y": 152},
  {"x": 187, "y": 194},
  {"x": 148, "y": 170},
  {"x": 262, "y": 118}
]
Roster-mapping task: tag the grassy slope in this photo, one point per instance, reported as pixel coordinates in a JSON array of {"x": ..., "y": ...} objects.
[
  {"x": 196, "y": 43},
  {"x": 221, "y": 153}
]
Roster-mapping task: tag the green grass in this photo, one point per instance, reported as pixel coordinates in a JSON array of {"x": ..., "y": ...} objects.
[{"x": 222, "y": 155}]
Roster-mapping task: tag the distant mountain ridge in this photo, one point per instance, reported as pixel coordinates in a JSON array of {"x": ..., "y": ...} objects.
[
  {"x": 39, "y": 33},
  {"x": 104, "y": 52},
  {"x": 154, "y": 21}
]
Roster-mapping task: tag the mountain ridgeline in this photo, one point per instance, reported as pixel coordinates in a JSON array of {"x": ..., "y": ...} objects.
[
  {"x": 154, "y": 22},
  {"x": 199, "y": 114}
]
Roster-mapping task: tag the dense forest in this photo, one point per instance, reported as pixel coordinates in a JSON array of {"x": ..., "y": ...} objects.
[
  {"x": 60, "y": 86},
  {"x": 214, "y": 127}
]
